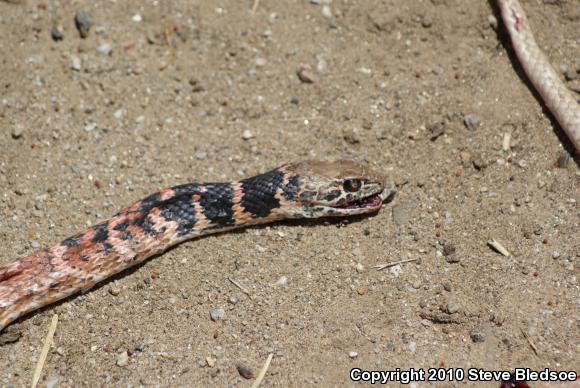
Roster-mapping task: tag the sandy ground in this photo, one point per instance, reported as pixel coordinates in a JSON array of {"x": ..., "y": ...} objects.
[{"x": 91, "y": 125}]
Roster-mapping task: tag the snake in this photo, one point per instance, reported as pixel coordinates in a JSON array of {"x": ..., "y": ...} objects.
[
  {"x": 305, "y": 189},
  {"x": 557, "y": 97}
]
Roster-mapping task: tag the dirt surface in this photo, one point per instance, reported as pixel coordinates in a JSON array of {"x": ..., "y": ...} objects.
[{"x": 161, "y": 93}]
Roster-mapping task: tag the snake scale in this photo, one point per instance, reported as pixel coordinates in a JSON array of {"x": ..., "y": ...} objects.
[{"x": 307, "y": 189}]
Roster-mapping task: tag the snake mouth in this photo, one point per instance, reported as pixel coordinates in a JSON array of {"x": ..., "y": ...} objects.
[{"x": 369, "y": 203}]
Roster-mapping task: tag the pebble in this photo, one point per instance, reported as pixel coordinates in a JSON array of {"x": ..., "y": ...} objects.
[
  {"x": 556, "y": 255},
  {"x": 123, "y": 359},
  {"x": 105, "y": 48},
  {"x": 477, "y": 335},
  {"x": 437, "y": 129},
  {"x": 261, "y": 62},
  {"x": 216, "y": 314},
  {"x": 35, "y": 244},
  {"x": 295, "y": 100},
  {"x": 247, "y": 135},
  {"x": 118, "y": 114},
  {"x": 137, "y": 18},
  {"x": 200, "y": 155},
  {"x": 210, "y": 361},
  {"x": 52, "y": 382},
  {"x": 326, "y": 11},
  {"x": 16, "y": 132},
  {"x": 452, "y": 307},
  {"x": 120, "y": 300},
  {"x": 83, "y": 23},
  {"x": 234, "y": 299},
  {"x": 353, "y": 354},
  {"x": 245, "y": 371},
  {"x": 75, "y": 63},
  {"x": 114, "y": 291},
  {"x": 563, "y": 159},
  {"x": 492, "y": 21},
  {"x": 569, "y": 73},
  {"x": 283, "y": 281},
  {"x": 304, "y": 73},
  {"x": 90, "y": 127},
  {"x": 56, "y": 33},
  {"x": 427, "y": 21},
  {"x": 471, "y": 122}
]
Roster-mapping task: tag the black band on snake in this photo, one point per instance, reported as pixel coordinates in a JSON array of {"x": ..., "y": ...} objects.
[{"x": 307, "y": 189}]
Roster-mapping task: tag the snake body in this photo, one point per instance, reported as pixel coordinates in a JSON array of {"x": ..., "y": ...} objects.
[
  {"x": 557, "y": 97},
  {"x": 306, "y": 189}
]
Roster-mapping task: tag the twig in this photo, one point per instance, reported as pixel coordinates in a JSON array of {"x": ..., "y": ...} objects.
[
  {"x": 44, "y": 352},
  {"x": 167, "y": 33},
  {"x": 255, "y": 6},
  {"x": 498, "y": 247},
  {"x": 380, "y": 267},
  {"x": 244, "y": 289},
  {"x": 262, "y": 372},
  {"x": 362, "y": 332},
  {"x": 527, "y": 337}
]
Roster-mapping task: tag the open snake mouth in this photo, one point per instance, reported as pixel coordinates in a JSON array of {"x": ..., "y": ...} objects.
[{"x": 372, "y": 202}]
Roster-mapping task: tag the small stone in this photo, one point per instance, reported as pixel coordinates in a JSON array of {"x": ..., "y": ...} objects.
[
  {"x": 305, "y": 75},
  {"x": 283, "y": 281},
  {"x": 52, "y": 382},
  {"x": 569, "y": 73},
  {"x": 90, "y": 127},
  {"x": 360, "y": 268},
  {"x": 75, "y": 63},
  {"x": 556, "y": 255},
  {"x": 492, "y": 21},
  {"x": 295, "y": 100},
  {"x": 427, "y": 21},
  {"x": 120, "y": 300},
  {"x": 478, "y": 162},
  {"x": 137, "y": 18},
  {"x": 105, "y": 48},
  {"x": 56, "y": 33},
  {"x": 326, "y": 11},
  {"x": 362, "y": 290},
  {"x": 247, "y": 135},
  {"x": 477, "y": 335},
  {"x": 260, "y": 62},
  {"x": 471, "y": 122},
  {"x": 563, "y": 159},
  {"x": 82, "y": 22},
  {"x": 16, "y": 132},
  {"x": 118, "y": 114},
  {"x": 351, "y": 137},
  {"x": 123, "y": 359},
  {"x": 437, "y": 129},
  {"x": 114, "y": 291},
  {"x": 210, "y": 361},
  {"x": 200, "y": 155},
  {"x": 451, "y": 307},
  {"x": 35, "y": 244},
  {"x": 245, "y": 371},
  {"x": 353, "y": 354},
  {"x": 234, "y": 299},
  {"x": 448, "y": 287},
  {"x": 449, "y": 249},
  {"x": 216, "y": 314}
]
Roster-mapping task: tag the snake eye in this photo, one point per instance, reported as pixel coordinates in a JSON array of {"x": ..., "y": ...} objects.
[{"x": 352, "y": 185}]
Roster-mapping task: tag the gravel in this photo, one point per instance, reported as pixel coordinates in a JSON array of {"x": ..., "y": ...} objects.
[
  {"x": 83, "y": 23},
  {"x": 471, "y": 122},
  {"x": 216, "y": 314}
]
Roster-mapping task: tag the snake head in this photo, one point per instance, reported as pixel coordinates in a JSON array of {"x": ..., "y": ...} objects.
[{"x": 338, "y": 188}]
